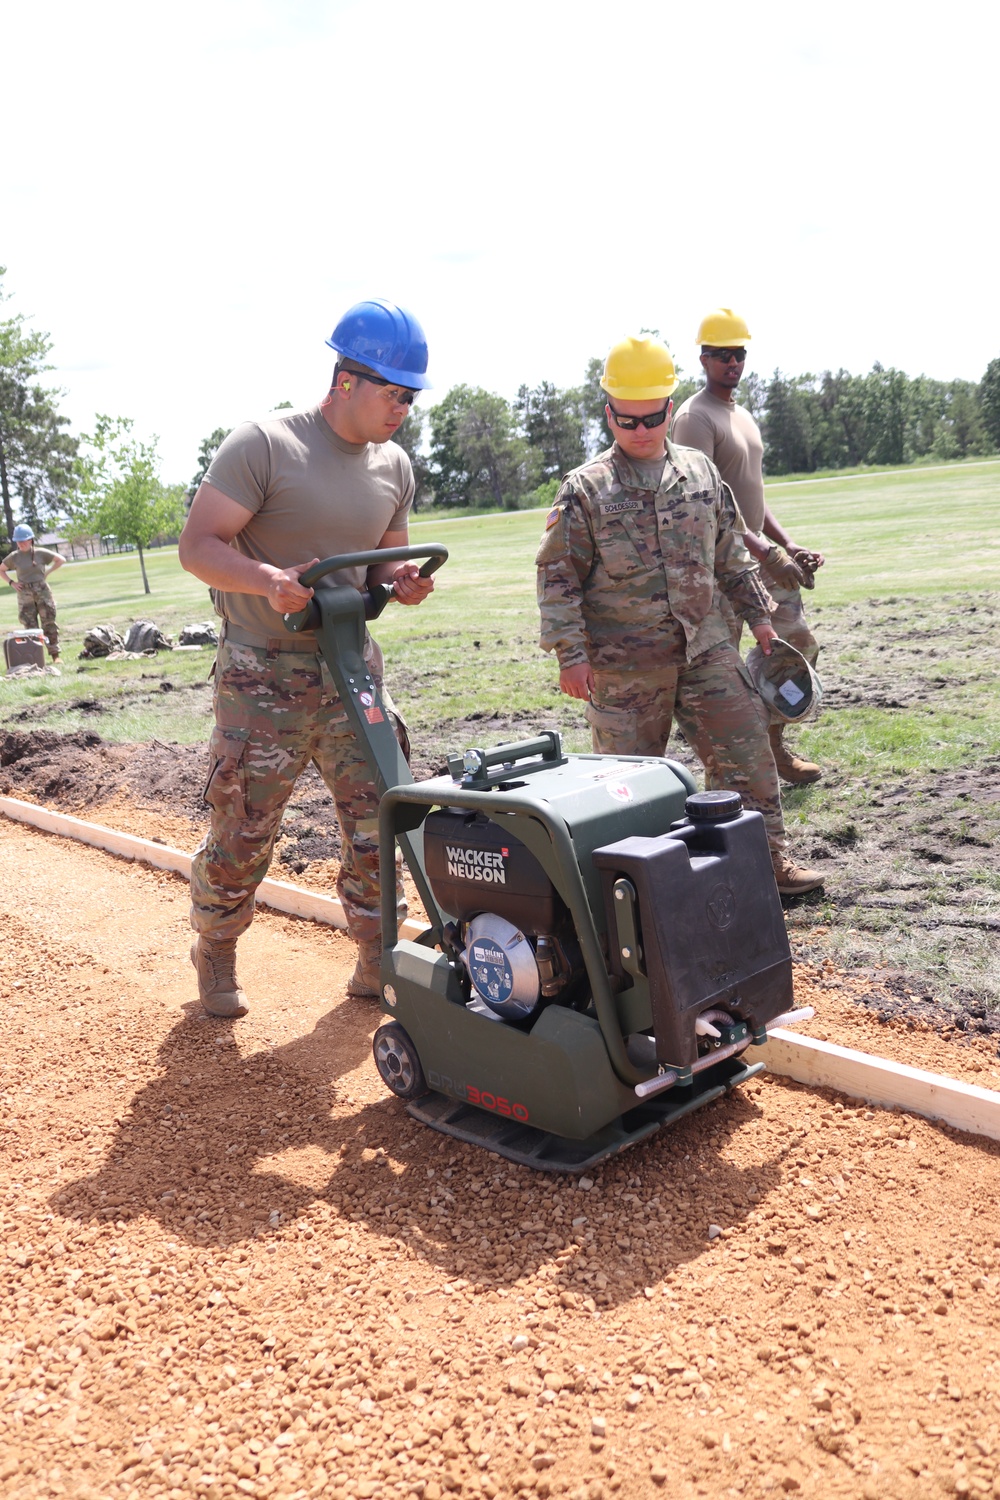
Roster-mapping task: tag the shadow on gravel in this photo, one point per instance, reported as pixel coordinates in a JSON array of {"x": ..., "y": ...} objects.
[
  {"x": 222, "y": 1148},
  {"x": 496, "y": 1224}
]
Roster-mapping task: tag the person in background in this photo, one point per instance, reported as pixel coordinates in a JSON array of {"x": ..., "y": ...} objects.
[
  {"x": 713, "y": 421},
  {"x": 33, "y": 566}
]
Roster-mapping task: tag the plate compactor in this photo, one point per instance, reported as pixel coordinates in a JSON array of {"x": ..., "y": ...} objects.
[{"x": 604, "y": 942}]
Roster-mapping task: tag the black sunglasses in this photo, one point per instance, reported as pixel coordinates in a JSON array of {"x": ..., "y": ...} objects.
[
  {"x": 726, "y": 356},
  {"x": 629, "y": 424},
  {"x": 405, "y": 397}
]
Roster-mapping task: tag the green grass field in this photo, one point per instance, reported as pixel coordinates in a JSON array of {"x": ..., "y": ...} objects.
[
  {"x": 472, "y": 648},
  {"x": 922, "y": 531}
]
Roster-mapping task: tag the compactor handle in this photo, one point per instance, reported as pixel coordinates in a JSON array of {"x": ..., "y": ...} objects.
[
  {"x": 435, "y": 552},
  {"x": 486, "y": 768}
]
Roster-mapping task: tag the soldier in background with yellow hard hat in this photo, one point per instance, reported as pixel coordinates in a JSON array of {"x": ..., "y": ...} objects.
[
  {"x": 713, "y": 421},
  {"x": 639, "y": 549}
]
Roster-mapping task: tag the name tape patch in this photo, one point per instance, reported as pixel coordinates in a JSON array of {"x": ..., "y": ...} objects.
[{"x": 620, "y": 507}]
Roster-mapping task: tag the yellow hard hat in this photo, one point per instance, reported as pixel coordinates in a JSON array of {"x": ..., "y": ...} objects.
[
  {"x": 639, "y": 370},
  {"x": 723, "y": 329}
]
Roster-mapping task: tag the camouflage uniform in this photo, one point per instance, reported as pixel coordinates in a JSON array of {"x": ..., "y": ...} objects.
[
  {"x": 276, "y": 709},
  {"x": 629, "y": 580},
  {"x": 35, "y": 604},
  {"x": 34, "y": 597}
]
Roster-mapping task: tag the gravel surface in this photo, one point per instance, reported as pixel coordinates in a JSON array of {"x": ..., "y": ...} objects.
[{"x": 233, "y": 1266}]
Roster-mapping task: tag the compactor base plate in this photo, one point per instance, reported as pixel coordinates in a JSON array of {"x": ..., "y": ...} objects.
[{"x": 553, "y": 1153}]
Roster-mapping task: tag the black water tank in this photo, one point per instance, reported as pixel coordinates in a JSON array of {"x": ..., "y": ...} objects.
[{"x": 711, "y": 926}]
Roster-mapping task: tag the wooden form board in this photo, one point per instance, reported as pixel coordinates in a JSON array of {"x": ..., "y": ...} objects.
[
  {"x": 274, "y": 893},
  {"x": 877, "y": 1080}
]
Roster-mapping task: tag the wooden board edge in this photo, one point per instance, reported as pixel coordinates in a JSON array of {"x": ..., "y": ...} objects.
[
  {"x": 878, "y": 1080},
  {"x": 279, "y": 895}
]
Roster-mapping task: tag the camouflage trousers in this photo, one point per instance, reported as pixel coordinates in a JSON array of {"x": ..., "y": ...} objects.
[
  {"x": 717, "y": 710},
  {"x": 274, "y": 713},
  {"x": 35, "y": 604}
]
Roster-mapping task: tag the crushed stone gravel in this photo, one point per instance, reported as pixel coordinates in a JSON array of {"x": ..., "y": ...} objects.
[{"x": 231, "y": 1265}]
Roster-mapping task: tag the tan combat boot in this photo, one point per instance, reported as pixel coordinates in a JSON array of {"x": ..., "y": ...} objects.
[
  {"x": 792, "y": 879},
  {"x": 218, "y": 986},
  {"x": 365, "y": 983},
  {"x": 791, "y": 767}
]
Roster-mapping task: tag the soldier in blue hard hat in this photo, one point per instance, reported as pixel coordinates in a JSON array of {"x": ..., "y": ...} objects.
[
  {"x": 36, "y": 608},
  {"x": 279, "y": 495}
]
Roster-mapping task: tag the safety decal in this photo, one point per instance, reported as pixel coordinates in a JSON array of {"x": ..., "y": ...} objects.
[
  {"x": 620, "y": 790},
  {"x": 366, "y": 699},
  {"x": 491, "y": 971},
  {"x": 374, "y": 715}
]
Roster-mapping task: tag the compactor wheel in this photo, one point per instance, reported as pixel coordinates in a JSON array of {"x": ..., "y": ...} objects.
[{"x": 397, "y": 1062}]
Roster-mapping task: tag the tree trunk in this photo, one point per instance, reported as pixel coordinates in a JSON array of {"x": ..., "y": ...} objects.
[
  {"x": 495, "y": 485},
  {"x": 5, "y": 488},
  {"x": 142, "y": 564}
]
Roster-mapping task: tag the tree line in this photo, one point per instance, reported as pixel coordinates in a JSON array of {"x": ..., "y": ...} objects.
[
  {"x": 473, "y": 448},
  {"x": 837, "y": 421}
]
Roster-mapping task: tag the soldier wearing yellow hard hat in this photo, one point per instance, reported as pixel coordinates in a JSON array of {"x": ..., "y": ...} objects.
[
  {"x": 713, "y": 421},
  {"x": 640, "y": 547}
]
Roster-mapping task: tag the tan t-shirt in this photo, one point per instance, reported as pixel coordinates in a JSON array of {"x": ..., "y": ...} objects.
[
  {"x": 311, "y": 494},
  {"x": 731, "y": 438},
  {"x": 30, "y": 566}
]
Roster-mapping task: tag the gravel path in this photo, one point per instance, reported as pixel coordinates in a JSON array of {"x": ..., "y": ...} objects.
[{"x": 232, "y": 1266}]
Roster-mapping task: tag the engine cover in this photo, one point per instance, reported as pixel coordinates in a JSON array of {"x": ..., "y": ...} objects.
[
  {"x": 501, "y": 965},
  {"x": 474, "y": 866}
]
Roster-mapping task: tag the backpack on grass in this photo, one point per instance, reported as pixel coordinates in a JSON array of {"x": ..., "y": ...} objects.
[
  {"x": 143, "y": 635},
  {"x": 101, "y": 640}
]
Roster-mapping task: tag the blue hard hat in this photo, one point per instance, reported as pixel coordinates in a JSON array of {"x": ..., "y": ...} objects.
[
  {"x": 387, "y": 339},
  {"x": 23, "y": 533}
]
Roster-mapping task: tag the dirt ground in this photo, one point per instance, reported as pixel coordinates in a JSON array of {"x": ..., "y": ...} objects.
[{"x": 233, "y": 1266}]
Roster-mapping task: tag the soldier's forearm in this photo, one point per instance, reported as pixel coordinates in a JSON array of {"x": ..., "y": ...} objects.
[
  {"x": 773, "y": 529},
  {"x": 748, "y": 596},
  {"x": 756, "y": 546},
  {"x": 568, "y": 641},
  {"x": 219, "y": 565},
  {"x": 570, "y": 656},
  {"x": 564, "y": 634}
]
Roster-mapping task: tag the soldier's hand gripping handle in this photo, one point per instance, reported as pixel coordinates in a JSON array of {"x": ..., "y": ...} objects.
[
  {"x": 286, "y": 592},
  {"x": 409, "y": 585},
  {"x": 435, "y": 553}
]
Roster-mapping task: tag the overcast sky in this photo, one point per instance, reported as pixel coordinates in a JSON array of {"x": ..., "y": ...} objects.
[{"x": 193, "y": 193}]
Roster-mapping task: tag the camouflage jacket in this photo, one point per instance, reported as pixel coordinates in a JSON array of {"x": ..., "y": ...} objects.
[{"x": 620, "y": 565}]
